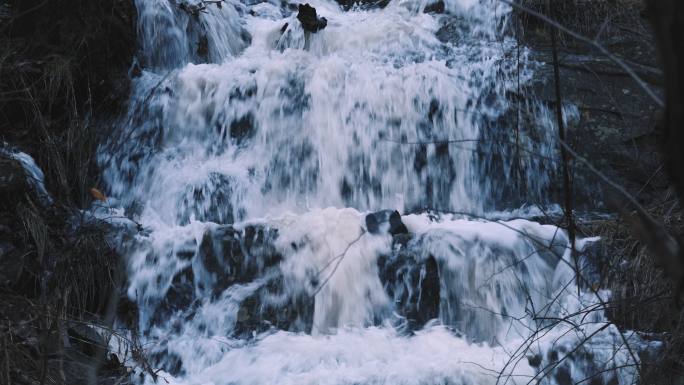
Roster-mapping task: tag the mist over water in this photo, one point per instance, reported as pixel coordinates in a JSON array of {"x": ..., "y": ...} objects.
[{"x": 252, "y": 155}]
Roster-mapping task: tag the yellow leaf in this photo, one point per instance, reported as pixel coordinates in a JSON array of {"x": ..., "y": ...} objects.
[{"x": 97, "y": 194}]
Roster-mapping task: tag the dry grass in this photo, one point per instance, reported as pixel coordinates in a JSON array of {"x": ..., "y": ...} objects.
[
  {"x": 643, "y": 297},
  {"x": 69, "y": 277}
]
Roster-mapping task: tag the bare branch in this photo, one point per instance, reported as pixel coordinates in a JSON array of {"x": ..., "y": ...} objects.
[{"x": 592, "y": 43}]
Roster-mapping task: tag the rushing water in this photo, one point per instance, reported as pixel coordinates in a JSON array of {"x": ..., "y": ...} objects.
[{"x": 258, "y": 159}]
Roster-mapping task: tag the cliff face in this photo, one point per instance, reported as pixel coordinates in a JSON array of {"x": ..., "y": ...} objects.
[
  {"x": 63, "y": 77},
  {"x": 614, "y": 123}
]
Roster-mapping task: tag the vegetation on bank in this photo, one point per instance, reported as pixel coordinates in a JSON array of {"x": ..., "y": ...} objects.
[{"x": 63, "y": 79}]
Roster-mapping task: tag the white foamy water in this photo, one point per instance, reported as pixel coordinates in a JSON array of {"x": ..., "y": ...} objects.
[{"x": 253, "y": 153}]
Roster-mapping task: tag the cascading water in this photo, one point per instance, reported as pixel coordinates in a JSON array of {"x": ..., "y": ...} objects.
[{"x": 256, "y": 156}]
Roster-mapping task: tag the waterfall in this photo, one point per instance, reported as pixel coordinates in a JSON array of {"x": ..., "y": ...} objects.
[{"x": 269, "y": 168}]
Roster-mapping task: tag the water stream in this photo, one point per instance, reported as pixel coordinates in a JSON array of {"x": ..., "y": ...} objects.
[{"x": 343, "y": 207}]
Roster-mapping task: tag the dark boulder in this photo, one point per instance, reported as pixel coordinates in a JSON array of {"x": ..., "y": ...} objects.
[
  {"x": 386, "y": 221},
  {"x": 273, "y": 306},
  {"x": 413, "y": 283},
  {"x": 309, "y": 19},
  {"x": 242, "y": 129},
  {"x": 436, "y": 7},
  {"x": 181, "y": 293},
  {"x": 209, "y": 201},
  {"x": 428, "y": 303},
  {"x": 20, "y": 178},
  {"x": 228, "y": 255}
]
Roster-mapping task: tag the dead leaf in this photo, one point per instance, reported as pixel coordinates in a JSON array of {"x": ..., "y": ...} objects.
[{"x": 97, "y": 194}]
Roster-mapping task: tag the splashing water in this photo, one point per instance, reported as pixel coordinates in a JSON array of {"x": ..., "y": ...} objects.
[{"x": 252, "y": 154}]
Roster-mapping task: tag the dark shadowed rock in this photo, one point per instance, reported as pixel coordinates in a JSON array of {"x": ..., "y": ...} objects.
[
  {"x": 436, "y": 7},
  {"x": 412, "y": 282},
  {"x": 428, "y": 303},
  {"x": 309, "y": 19},
  {"x": 20, "y": 178},
  {"x": 209, "y": 201},
  {"x": 11, "y": 264},
  {"x": 386, "y": 221},
  {"x": 203, "y": 47},
  {"x": 534, "y": 360},
  {"x": 180, "y": 294},
  {"x": 396, "y": 225},
  {"x": 12, "y": 178},
  {"x": 272, "y": 307},
  {"x": 242, "y": 129},
  {"x": 231, "y": 256}
]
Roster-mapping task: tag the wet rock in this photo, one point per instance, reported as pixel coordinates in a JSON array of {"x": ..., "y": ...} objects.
[
  {"x": 452, "y": 31},
  {"x": 420, "y": 159},
  {"x": 309, "y": 19},
  {"x": 346, "y": 190},
  {"x": 428, "y": 304},
  {"x": 534, "y": 360},
  {"x": 396, "y": 225},
  {"x": 413, "y": 283},
  {"x": 218, "y": 249},
  {"x": 362, "y": 4},
  {"x": 242, "y": 94},
  {"x": 210, "y": 201},
  {"x": 193, "y": 10},
  {"x": 273, "y": 307},
  {"x": 386, "y": 221},
  {"x": 11, "y": 177},
  {"x": 186, "y": 250},
  {"x": 226, "y": 256},
  {"x": 242, "y": 128},
  {"x": 203, "y": 47},
  {"x": 127, "y": 312},
  {"x": 562, "y": 376},
  {"x": 436, "y": 7},
  {"x": 235, "y": 256},
  {"x": 182, "y": 290},
  {"x": 168, "y": 361}
]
